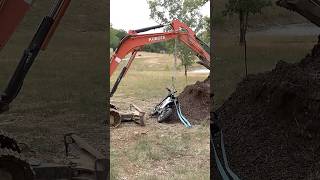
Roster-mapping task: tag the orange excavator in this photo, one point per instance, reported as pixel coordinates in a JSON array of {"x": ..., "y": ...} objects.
[
  {"x": 134, "y": 42},
  {"x": 85, "y": 162}
]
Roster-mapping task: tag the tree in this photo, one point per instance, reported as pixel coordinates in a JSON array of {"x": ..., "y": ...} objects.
[
  {"x": 115, "y": 37},
  {"x": 114, "y": 40},
  {"x": 205, "y": 35},
  {"x": 243, "y": 8},
  {"x": 185, "y": 53},
  {"x": 121, "y": 34},
  {"x": 156, "y": 48},
  {"x": 187, "y": 11}
]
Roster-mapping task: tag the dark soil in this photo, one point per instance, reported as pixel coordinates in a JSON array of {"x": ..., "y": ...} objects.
[
  {"x": 195, "y": 102},
  {"x": 271, "y": 122}
]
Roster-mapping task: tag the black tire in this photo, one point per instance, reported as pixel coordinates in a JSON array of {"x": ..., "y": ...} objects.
[
  {"x": 153, "y": 113},
  {"x": 8, "y": 142},
  {"x": 115, "y": 118},
  {"x": 165, "y": 114},
  {"x": 14, "y": 167}
]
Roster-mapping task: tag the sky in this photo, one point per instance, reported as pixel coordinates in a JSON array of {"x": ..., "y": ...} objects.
[{"x": 135, "y": 14}]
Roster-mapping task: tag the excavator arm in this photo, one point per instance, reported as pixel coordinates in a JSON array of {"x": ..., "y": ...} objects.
[
  {"x": 133, "y": 42},
  {"x": 39, "y": 42}
]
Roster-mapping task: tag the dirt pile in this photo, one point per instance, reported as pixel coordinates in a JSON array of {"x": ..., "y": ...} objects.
[
  {"x": 195, "y": 102},
  {"x": 271, "y": 122}
]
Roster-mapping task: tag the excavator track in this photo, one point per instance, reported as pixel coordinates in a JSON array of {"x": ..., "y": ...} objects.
[
  {"x": 8, "y": 142},
  {"x": 13, "y": 166}
]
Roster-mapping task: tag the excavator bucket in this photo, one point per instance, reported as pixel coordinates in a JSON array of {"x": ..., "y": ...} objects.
[
  {"x": 85, "y": 163},
  {"x": 135, "y": 114},
  {"x": 310, "y": 9},
  {"x": 11, "y": 14}
]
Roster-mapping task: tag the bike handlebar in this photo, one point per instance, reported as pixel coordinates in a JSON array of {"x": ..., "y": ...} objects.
[{"x": 168, "y": 89}]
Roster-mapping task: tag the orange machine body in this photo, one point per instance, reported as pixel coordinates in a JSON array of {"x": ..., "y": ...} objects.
[{"x": 11, "y": 14}]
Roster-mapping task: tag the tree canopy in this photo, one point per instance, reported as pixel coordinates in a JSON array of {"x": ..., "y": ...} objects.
[
  {"x": 115, "y": 36},
  {"x": 245, "y": 8},
  {"x": 188, "y": 12}
]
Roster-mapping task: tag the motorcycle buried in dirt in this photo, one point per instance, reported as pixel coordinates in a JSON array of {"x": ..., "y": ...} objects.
[{"x": 166, "y": 107}]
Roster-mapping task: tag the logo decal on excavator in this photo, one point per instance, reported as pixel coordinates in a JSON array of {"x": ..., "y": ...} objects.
[
  {"x": 118, "y": 60},
  {"x": 157, "y": 38}
]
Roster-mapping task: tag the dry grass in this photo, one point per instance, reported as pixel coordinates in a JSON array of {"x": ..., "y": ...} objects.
[{"x": 64, "y": 91}]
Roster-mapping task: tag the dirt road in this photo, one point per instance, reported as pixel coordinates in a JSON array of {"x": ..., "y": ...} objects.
[{"x": 304, "y": 29}]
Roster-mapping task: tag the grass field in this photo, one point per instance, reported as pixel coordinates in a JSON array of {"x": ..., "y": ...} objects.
[
  {"x": 272, "y": 15},
  {"x": 156, "y": 151},
  {"x": 263, "y": 54},
  {"x": 64, "y": 91}
]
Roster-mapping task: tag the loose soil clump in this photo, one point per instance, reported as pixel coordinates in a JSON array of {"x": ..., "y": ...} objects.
[
  {"x": 271, "y": 122},
  {"x": 194, "y": 102}
]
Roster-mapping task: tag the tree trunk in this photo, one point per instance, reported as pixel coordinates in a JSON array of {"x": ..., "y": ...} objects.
[
  {"x": 246, "y": 24},
  {"x": 186, "y": 72},
  {"x": 243, "y": 27},
  {"x": 245, "y": 43}
]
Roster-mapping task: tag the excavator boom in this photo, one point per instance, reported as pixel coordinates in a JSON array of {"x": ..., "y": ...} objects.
[
  {"x": 134, "y": 42},
  {"x": 38, "y": 42},
  {"x": 11, "y": 14}
]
